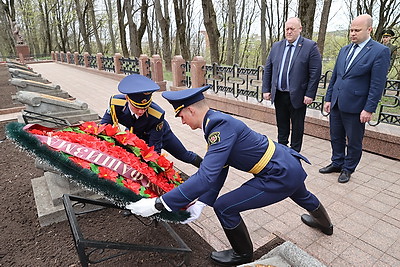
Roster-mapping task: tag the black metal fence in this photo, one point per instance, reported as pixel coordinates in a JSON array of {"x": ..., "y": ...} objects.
[
  {"x": 71, "y": 57},
  {"x": 92, "y": 61},
  {"x": 129, "y": 65},
  {"x": 388, "y": 110},
  {"x": 108, "y": 63},
  {"x": 247, "y": 83},
  {"x": 81, "y": 60},
  {"x": 236, "y": 80}
]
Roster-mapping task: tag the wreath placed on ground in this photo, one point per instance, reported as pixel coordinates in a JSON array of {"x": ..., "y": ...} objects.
[{"x": 118, "y": 165}]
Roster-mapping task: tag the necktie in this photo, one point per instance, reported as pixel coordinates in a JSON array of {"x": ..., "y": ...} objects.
[
  {"x": 285, "y": 68},
  {"x": 348, "y": 59}
]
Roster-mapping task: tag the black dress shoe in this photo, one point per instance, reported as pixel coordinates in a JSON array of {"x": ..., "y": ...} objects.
[
  {"x": 330, "y": 168},
  {"x": 344, "y": 176}
]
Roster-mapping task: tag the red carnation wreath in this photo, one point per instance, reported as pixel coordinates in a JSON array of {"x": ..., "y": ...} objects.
[{"x": 120, "y": 157}]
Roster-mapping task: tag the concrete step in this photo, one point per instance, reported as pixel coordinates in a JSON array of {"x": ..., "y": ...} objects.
[{"x": 48, "y": 191}]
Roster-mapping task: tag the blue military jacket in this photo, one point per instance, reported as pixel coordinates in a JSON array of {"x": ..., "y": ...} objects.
[
  {"x": 233, "y": 143},
  {"x": 150, "y": 127}
]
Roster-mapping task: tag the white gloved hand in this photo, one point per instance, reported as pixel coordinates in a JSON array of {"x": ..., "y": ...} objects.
[
  {"x": 144, "y": 207},
  {"x": 195, "y": 211}
]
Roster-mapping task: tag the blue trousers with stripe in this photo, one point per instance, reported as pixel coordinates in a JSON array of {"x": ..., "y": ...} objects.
[{"x": 246, "y": 197}]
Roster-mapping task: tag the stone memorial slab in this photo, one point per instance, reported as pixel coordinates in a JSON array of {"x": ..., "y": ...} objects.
[
  {"x": 39, "y": 87},
  {"x": 27, "y": 75},
  {"x": 72, "y": 111},
  {"x": 14, "y": 65},
  {"x": 48, "y": 191},
  {"x": 15, "y": 62}
]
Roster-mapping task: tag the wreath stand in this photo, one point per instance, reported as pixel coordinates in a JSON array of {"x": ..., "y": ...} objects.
[{"x": 86, "y": 247}]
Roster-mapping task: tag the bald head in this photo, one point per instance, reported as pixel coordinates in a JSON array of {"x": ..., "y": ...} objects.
[
  {"x": 361, "y": 28},
  {"x": 363, "y": 19},
  {"x": 292, "y": 29}
]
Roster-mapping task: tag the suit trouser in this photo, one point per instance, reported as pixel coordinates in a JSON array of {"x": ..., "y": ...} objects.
[
  {"x": 286, "y": 113},
  {"x": 344, "y": 126},
  {"x": 174, "y": 146}
]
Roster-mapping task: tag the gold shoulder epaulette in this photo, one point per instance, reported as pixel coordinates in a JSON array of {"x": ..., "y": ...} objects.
[
  {"x": 154, "y": 113},
  {"x": 117, "y": 101}
]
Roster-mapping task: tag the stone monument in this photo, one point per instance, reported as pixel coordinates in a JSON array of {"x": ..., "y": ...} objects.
[
  {"x": 21, "y": 48},
  {"x": 27, "y": 75},
  {"x": 72, "y": 111},
  {"x": 39, "y": 87},
  {"x": 17, "y": 65}
]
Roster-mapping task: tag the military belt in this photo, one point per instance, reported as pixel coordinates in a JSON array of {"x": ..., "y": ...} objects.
[{"x": 259, "y": 166}]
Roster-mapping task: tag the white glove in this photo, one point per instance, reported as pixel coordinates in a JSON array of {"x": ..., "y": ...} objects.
[
  {"x": 144, "y": 207},
  {"x": 195, "y": 211}
]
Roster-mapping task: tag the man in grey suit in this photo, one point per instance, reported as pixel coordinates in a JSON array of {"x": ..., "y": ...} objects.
[
  {"x": 290, "y": 81},
  {"x": 354, "y": 91}
]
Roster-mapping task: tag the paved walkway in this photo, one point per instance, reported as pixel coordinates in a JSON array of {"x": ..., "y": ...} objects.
[{"x": 365, "y": 212}]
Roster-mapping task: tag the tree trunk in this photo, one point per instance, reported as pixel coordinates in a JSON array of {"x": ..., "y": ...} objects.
[
  {"x": 110, "y": 19},
  {"x": 306, "y": 13},
  {"x": 6, "y": 38},
  {"x": 180, "y": 20},
  {"x": 230, "y": 46},
  {"x": 44, "y": 11},
  {"x": 263, "y": 31},
  {"x": 143, "y": 25},
  {"x": 238, "y": 37},
  {"x": 164, "y": 22},
  {"x": 121, "y": 25},
  {"x": 210, "y": 22},
  {"x": 323, "y": 25},
  {"x": 58, "y": 14},
  {"x": 133, "y": 34},
  {"x": 152, "y": 25},
  {"x": 223, "y": 39},
  {"x": 82, "y": 25},
  {"x": 92, "y": 16}
]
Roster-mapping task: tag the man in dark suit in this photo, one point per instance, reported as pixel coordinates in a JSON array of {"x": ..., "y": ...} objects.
[
  {"x": 354, "y": 91},
  {"x": 290, "y": 81}
]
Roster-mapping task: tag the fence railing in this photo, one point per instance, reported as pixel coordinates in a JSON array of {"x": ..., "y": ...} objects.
[
  {"x": 81, "y": 60},
  {"x": 108, "y": 64},
  {"x": 92, "y": 61},
  {"x": 238, "y": 81},
  {"x": 233, "y": 80},
  {"x": 129, "y": 65},
  {"x": 247, "y": 83},
  {"x": 117, "y": 63},
  {"x": 149, "y": 67}
]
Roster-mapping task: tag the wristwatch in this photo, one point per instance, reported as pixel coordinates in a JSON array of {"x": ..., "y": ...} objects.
[{"x": 158, "y": 204}]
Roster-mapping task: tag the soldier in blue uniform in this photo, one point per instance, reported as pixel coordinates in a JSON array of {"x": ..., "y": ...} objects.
[
  {"x": 277, "y": 171},
  {"x": 135, "y": 110}
]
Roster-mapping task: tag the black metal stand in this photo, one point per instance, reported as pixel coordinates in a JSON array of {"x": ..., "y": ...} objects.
[
  {"x": 32, "y": 116},
  {"x": 86, "y": 247}
]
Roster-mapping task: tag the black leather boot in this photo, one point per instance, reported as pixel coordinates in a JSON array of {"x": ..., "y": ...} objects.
[
  {"x": 319, "y": 218},
  {"x": 197, "y": 161},
  {"x": 242, "y": 248}
]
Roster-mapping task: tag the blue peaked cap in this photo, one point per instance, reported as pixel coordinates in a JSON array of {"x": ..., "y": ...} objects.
[
  {"x": 139, "y": 89},
  {"x": 184, "y": 98}
]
